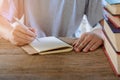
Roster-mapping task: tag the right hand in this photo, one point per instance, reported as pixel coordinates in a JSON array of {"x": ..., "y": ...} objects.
[{"x": 22, "y": 35}]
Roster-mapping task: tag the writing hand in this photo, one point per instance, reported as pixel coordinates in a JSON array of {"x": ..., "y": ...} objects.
[{"x": 21, "y": 35}]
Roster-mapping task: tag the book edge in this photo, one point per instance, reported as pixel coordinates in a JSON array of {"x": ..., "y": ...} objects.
[
  {"x": 110, "y": 62},
  {"x": 118, "y": 52},
  {"x": 108, "y": 57},
  {"x": 110, "y": 16},
  {"x": 112, "y": 9}
]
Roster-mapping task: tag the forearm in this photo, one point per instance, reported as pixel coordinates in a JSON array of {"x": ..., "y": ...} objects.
[{"x": 5, "y": 28}]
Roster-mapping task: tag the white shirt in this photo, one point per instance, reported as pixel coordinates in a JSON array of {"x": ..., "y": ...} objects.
[{"x": 59, "y": 17}]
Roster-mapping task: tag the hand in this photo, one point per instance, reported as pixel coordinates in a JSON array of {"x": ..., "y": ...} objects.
[
  {"x": 21, "y": 36},
  {"x": 87, "y": 42}
]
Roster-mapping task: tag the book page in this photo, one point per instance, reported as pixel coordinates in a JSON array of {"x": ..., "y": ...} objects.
[{"x": 49, "y": 44}]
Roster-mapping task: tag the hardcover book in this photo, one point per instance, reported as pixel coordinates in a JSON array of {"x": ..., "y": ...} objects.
[
  {"x": 113, "y": 34},
  {"x": 115, "y": 20},
  {"x": 113, "y": 6},
  {"x": 112, "y": 55}
]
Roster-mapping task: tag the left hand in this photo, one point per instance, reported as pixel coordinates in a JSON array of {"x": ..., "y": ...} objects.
[{"x": 87, "y": 42}]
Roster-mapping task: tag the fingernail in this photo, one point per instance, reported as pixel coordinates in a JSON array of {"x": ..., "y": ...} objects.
[
  {"x": 91, "y": 49},
  {"x": 77, "y": 50},
  {"x": 84, "y": 50}
]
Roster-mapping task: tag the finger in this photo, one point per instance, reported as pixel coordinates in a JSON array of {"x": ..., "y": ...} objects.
[
  {"x": 18, "y": 41},
  {"x": 96, "y": 45},
  {"x": 23, "y": 36},
  {"x": 79, "y": 45},
  {"x": 78, "y": 41},
  {"x": 21, "y": 40},
  {"x": 20, "y": 44},
  {"x": 32, "y": 29},
  {"x": 89, "y": 45},
  {"x": 79, "y": 48},
  {"x": 85, "y": 42},
  {"x": 25, "y": 31},
  {"x": 76, "y": 44}
]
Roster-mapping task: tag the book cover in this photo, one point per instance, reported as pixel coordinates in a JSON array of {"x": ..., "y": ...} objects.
[{"x": 47, "y": 45}]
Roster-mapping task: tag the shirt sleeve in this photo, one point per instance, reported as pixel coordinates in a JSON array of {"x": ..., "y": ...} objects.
[
  {"x": 94, "y": 12},
  {"x": 11, "y": 8}
]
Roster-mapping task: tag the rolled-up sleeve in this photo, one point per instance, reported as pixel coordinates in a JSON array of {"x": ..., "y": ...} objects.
[
  {"x": 11, "y": 8},
  {"x": 94, "y": 11}
]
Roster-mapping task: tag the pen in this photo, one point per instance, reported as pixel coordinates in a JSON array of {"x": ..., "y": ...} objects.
[{"x": 18, "y": 21}]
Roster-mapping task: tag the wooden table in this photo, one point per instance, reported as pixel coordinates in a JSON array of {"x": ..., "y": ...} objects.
[{"x": 15, "y": 64}]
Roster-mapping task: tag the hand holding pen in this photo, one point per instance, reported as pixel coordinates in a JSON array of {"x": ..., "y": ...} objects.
[{"x": 21, "y": 34}]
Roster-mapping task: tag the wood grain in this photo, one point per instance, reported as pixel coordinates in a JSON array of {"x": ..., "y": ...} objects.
[{"x": 15, "y": 64}]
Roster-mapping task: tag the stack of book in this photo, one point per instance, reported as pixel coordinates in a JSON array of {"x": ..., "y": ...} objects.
[{"x": 112, "y": 33}]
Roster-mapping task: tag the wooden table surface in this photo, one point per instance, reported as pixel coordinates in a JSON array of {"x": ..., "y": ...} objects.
[{"x": 15, "y": 64}]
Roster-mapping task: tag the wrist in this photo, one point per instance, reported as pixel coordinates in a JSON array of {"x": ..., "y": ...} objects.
[{"x": 99, "y": 32}]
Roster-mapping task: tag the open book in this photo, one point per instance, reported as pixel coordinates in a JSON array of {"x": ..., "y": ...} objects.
[{"x": 47, "y": 45}]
